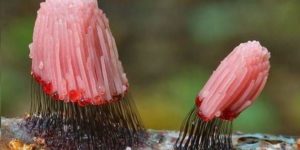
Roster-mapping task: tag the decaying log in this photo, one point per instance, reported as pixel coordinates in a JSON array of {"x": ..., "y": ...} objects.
[{"x": 13, "y": 133}]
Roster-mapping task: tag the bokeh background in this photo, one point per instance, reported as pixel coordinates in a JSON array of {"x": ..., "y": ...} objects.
[{"x": 169, "y": 48}]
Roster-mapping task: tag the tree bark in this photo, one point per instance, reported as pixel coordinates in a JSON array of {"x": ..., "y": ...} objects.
[{"x": 158, "y": 139}]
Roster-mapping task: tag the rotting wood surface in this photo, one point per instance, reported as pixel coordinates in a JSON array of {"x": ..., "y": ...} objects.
[{"x": 12, "y": 133}]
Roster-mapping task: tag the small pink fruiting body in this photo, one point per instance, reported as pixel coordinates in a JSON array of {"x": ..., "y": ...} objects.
[
  {"x": 236, "y": 83},
  {"x": 74, "y": 55}
]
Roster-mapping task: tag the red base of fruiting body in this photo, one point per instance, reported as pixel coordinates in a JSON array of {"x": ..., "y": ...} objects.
[
  {"x": 75, "y": 96},
  {"x": 225, "y": 115},
  {"x": 198, "y": 103}
]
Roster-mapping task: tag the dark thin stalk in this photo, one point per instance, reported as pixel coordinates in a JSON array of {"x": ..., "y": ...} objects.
[
  {"x": 66, "y": 125},
  {"x": 196, "y": 134}
]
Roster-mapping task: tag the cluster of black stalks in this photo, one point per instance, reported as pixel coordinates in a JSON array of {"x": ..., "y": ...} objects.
[
  {"x": 113, "y": 126},
  {"x": 70, "y": 126}
]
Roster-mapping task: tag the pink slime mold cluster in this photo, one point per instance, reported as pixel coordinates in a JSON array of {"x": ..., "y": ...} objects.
[
  {"x": 74, "y": 55},
  {"x": 236, "y": 83}
]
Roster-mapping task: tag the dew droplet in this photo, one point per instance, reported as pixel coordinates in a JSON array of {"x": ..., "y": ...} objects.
[
  {"x": 124, "y": 87},
  {"x": 55, "y": 96},
  {"x": 48, "y": 88},
  {"x": 75, "y": 95},
  {"x": 82, "y": 103},
  {"x": 198, "y": 101},
  {"x": 218, "y": 114},
  {"x": 101, "y": 90},
  {"x": 41, "y": 65}
]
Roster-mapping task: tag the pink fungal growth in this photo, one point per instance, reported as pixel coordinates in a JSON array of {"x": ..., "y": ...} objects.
[
  {"x": 236, "y": 83},
  {"x": 74, "y": 55}
]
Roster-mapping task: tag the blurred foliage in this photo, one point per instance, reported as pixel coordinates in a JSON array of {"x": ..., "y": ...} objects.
[{"x": 169, "y": 48}]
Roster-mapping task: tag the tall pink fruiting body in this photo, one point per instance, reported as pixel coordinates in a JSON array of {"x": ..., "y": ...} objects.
[
  {"x": 74, "y": 55},
  {"x": 236, "y": 83}
]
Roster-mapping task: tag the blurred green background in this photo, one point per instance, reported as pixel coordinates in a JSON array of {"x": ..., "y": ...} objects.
[{"x": 169, "y": 48}]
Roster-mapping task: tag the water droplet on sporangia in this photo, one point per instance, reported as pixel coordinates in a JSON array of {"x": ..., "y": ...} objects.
[
  {"x": 74, "y": 95},
  {"x": 41, "y": 65},
  {"x": 84, "y": 102},
  {"x": 55, "y": 96},
  {"x": 48, "y": 88},
  {"x": 218, "y": 114},
  {"x": 124, "y": 87},
  {"x": 101, "y": 90}
]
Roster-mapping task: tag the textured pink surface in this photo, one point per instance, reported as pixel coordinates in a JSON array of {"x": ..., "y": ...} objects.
[
  {"x": 236, "y": 83},
  {"x": 74, "y": 55}
]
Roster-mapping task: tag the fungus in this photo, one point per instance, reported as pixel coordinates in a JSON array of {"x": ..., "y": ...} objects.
[
  {"x": 80, "y": 96},
  {"x": 233, "y": 87}
]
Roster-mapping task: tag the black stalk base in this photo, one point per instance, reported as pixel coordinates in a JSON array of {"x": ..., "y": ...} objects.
[
  {"x": 197, "y": 134},
  {"x": 69, "y": 126}
]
